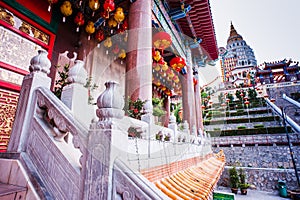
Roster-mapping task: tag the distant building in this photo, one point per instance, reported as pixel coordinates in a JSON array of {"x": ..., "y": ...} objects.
[
  {"x": 279, "y": 71},
  {"x": 237, "y": 61}
]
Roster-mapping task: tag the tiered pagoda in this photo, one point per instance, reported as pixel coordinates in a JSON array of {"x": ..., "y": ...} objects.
[{"x": 238, "y": 60}]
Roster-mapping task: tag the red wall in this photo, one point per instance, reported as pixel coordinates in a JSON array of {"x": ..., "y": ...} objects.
[{"x": 38, "y": 7}]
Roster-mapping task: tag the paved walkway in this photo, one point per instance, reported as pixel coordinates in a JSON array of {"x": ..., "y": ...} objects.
[{"x": 254, "y": 195}]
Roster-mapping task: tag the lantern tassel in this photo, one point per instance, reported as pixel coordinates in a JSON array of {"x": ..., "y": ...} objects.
[
  {"x": 77, "y": 29},
  {"x": 64, "y": 19},
  {"x": 89, "y": 37},
  {"x": 106, "y": 52},
  {"x": 49, "y": 8},
  {"x": 98, "y": 45}
]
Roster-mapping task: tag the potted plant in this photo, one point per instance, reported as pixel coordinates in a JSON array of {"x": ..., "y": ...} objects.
[
  {"x": 243, "y": 185},
  {"x": 234, "y": 180}
]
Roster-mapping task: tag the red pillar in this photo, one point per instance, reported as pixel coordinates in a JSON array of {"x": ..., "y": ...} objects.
[
  {"x": 199, "y": 119},
  {"x": 139, "y": 54},
  {"x": 188, "y": 94}
]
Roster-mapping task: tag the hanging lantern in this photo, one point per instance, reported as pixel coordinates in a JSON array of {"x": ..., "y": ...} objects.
[
  {"x": 90, "y": 29},
  {"x": 122, "y": 54},
  {"x": 156, "y": 67},
  {"x": 125, "y": 25},
  {"x": 116, "y": 49},
  {"x": 50, "y": 4},
  {"x": 109, "y": 5},
  {"x": 66, "y": 9},
  {"x": 177, "y": 63},
  {"x": 94, "y": 4},
  {"x": 165, "y": 66},
  {"x": 99, "y": 36},
  {"x": 161, "y": 40},
  {"x": 108, "y": 42},
  {"x": 119, "y": 15},
  {"x": 156, "y": 55},
  {"x": 79, "y": 20},
  {"x": 104, "y": 15},
  {"x": 195, "y": 81},
  {"x": 112, "y": 23}
]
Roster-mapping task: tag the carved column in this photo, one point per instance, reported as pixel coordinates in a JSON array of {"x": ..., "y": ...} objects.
[
  {"x": 39, "y": 68},
  {"x": 188, "y": 98},
  {"x": 106, "y": 142},
  {"x": 139, "y": 56},
  {"x": 75, "y": 95},
  {"x": 199, "y": 119}
]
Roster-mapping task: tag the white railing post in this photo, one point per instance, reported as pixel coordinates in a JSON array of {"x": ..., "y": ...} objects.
[
  {"x": 39, "y": 68},
  {"x": 75, "y": 95},
  {"x": 105, "y": 143}
]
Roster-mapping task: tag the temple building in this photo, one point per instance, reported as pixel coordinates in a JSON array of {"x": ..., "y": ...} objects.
[
  {"x": 237, "y": 61},
  {"x": 277, "y": 72},
  {"x": 92, "y": 93}
]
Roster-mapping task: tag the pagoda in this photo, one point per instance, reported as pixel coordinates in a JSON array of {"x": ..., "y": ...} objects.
[{"x": 237, "y": 61}]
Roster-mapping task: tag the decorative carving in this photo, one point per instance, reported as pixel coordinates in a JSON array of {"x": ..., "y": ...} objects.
[
  {"x": 110, "y": 104},
  {"x": 77, "y": 73},
  {"x": 40, "y": 63},
  {"x": 8, "y": 104}
]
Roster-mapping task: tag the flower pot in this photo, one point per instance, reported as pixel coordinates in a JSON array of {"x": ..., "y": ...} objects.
[
  {"x": 244, "y": 191},
  {"x": 234, "y": 190}
]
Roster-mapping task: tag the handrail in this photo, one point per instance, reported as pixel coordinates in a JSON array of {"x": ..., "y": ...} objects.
[
  {"x": 291, "y": 122},
  {"x": 292, "y": 101}
]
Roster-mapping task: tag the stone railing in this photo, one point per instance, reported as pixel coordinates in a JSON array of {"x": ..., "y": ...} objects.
[
  {"x": 277, "y": 139},
  {"x": 70, "y": 161}
]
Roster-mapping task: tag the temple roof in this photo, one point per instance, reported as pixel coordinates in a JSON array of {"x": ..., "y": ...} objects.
[
  {"x": 198, "y": 23},
  {"x": 234, "y": 36}
]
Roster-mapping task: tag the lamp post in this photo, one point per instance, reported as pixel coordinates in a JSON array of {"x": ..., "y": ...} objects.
[
  {"x": 242, "y": 95},
  {"x": 247, "y": 104},
  {"x": 283, "y": 115},
  {"x": 228, "y": 100}
]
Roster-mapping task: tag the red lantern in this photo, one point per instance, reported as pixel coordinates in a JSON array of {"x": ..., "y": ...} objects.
[
  {"x": 100, "y": 36},
  {"x": 109, "y": 5},
  {"x": 177, "y": 63},
  {"x": 125, "y": 25},
  {"x": 79, "y": 20},
  {"x": 162, "y": 40},
  {"x": 247, "y": 103},
  {"x": 116, "y": 49},
  {"x": 195, "y": 81}
]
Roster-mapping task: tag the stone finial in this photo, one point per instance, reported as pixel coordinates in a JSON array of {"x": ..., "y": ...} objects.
[
  {"x": 110, "y": 104},
  {"x": 172, "y": 119},
  {"x": 148, "y": 107},
  {"x": 186, "y": 126},
  {"x": 40, "y": 62},
  {"x": 77, "y": 73}
]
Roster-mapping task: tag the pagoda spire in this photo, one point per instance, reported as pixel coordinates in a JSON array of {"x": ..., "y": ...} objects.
[{"x": 233, "y": 34}]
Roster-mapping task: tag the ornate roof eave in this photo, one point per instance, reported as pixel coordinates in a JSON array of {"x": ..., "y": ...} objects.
[{"x": 198, "y": 23}]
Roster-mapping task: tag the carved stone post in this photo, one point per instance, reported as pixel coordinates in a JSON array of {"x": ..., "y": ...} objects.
[
  {"x": 106, "y": 142},
  {"x": 75, "y": 95},
  {"x": 39, "y": 68},
  {"x": 173, "y": 125}
]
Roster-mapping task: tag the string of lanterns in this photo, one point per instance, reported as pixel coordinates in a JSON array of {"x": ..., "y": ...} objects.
[{"x": 100, "y": 19}]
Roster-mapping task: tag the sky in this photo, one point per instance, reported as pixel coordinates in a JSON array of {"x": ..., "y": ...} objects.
[{"x": 270, "y": 27}]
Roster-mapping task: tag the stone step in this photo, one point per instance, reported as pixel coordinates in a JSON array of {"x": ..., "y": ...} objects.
[{"x": 12, "y": 192}]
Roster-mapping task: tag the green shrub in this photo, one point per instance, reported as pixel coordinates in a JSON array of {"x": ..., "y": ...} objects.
[
  {"x": 241, "y": 127},
  {"x": 259, "y": 126}
]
